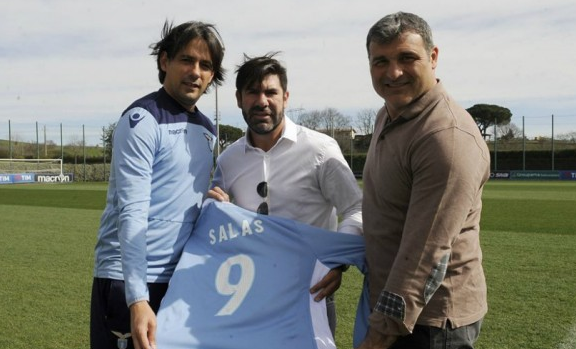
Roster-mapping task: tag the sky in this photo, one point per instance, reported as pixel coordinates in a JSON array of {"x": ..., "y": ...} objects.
[{"x": 80, "y": 63}]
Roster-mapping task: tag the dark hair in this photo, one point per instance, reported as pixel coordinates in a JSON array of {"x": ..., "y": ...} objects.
[
  {"x": 175, "y": 39},
  {"x": 254, "y": 69},
  {"x": 392, "y": 26}
]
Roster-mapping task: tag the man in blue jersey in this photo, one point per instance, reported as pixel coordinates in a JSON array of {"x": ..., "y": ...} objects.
[
  {"x": 243, "y": 280},
  {"x": 160, "y": 172},
  {"x": 284, "y": 169}
]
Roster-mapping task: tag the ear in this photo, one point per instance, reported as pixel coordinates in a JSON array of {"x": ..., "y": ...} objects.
[
  {"x": 434, "y": 57},
  {"x": 239, "y": 99},
  {"x": 211, "y": 78},
  {"x": 286, "y": 96},
  {"x": 163, "y": 60}
]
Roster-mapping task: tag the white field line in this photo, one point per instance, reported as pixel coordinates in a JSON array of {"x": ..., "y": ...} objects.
[{"x": 569, "y": 341}]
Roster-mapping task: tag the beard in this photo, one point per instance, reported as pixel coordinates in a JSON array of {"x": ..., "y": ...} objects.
[{"x": 257, "y": 125}]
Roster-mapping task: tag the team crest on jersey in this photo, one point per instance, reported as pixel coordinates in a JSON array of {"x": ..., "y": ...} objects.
[
  {"x": 135, "y": 119},
  {"x": 210, "y": 138}
]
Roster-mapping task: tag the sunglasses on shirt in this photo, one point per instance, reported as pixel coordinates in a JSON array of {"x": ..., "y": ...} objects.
[{"x": 262, "y": 190}]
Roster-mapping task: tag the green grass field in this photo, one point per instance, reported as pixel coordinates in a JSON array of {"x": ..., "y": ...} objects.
[{"x": 47, "y": 235}]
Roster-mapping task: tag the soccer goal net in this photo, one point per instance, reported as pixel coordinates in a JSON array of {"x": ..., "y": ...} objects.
[{"x": 41, "y": 166}]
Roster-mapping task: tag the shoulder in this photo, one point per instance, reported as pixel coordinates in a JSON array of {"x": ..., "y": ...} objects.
[
  {"x": 200, "y": 119},
  {"x": 320, "y": 147},
  {"x": 314, "y": 138},
  {"x": 446, "y": 110},
  {"x": 237, "y": 145},
  {"x": 165, "y": 110},
  {"x": 234, "y": 150},
  {"x": 449, "y": 115},
  {"x": 148, "y": 103}
]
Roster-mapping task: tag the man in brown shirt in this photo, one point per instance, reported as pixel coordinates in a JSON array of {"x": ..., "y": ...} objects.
[{"x": 423, "y": 180}]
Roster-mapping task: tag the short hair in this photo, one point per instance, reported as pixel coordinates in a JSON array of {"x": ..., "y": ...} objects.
[
  {"x": 393, "y": 25},
  {"x": 255, "y": 69},
  {"x": 176, "y": 38}
]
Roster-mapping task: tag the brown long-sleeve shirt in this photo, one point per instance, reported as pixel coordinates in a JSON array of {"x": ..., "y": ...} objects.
[{"x": 423, "y": 183}]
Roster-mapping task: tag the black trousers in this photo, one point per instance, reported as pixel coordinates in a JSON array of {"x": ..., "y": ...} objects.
[
  {"x": 426, "y": 337},
  {"x": 110, "y": 316}
]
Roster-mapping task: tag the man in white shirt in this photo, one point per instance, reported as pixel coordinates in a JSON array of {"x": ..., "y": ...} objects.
[{"x": 286, "y": 170}]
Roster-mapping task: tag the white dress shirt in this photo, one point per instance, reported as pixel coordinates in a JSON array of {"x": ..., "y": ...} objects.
[{"x": 307, "y": 175}]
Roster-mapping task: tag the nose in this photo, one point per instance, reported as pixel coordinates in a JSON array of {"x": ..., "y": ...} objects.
[
  {"x": 195, "y": 70},
  {"x": 262, "y": 100},
  {"x": 394, "y": 71}
]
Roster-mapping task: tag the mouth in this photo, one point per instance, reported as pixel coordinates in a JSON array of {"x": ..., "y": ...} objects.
[
  {"x": 191, "y": 85},
  {"x": 260, "y": 113},
  {"x": 260, "y": 118},
  {"x": 395, "y": 84}
]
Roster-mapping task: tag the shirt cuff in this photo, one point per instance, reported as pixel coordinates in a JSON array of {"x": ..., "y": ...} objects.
[{"x": 388, "y": 315}]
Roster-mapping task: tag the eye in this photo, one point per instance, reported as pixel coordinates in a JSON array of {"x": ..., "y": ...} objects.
[
  {"x": 271, "y": 93},
  {"x": 408, "y": 59},
  {"x": 379, "y": 62},
  {"x": 206, "y": 65}
]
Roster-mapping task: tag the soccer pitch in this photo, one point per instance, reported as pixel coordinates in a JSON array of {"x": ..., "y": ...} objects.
[{"x": 47, "y": 236}]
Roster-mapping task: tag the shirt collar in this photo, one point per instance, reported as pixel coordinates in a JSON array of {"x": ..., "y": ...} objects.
[
  {"x": 418, "y": 106},
  {"x": 164, "y": 95},
  {"x": 290, "y": 130},
  {"x": 415, "y": 109}
]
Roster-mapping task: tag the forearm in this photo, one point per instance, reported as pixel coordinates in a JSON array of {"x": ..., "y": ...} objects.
[{"x": 132, "y": 228}]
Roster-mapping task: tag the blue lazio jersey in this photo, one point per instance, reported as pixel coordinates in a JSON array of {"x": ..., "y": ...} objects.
[
  {"x": 160, "y": 172},
  {"x": 243, "y": 282}
]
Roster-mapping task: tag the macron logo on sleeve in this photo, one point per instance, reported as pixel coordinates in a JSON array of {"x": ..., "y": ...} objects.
[{"x": 135, "y": 119}]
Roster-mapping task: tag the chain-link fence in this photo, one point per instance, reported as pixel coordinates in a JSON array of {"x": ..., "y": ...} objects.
[
  {"x": 551, "y": 139},
  {"x": 50, "y": 140},
  {"x": 82, "y": 149}
]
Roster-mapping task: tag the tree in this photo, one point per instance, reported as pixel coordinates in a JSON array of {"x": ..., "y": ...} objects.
[
  {"x": 365, "y": 120},
  {"x": 294, "y": 113},
  {"x": 107, "y": 137},
  {"x": 509, "y": 132},
  {"x": 487, "y": 115},
  {"x": 310, "y": 119},
  {"x": 326, "y": 121},
  {"x": 229, "y": 134},
  {"x": 332, "y": 120},
  {"x": 569, "y": 136}
]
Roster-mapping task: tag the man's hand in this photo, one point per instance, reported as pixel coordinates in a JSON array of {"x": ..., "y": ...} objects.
[
  {"x": 328, "y": 285},
  {"x": 376, "y": 340},
  {"x": 143, "y": 323},
  {"x": 218, "y": 194}
]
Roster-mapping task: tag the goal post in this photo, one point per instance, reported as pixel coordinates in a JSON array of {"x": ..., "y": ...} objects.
[
  {"x": 32, "y": 170},
  {"x": 52, "y": 166}
]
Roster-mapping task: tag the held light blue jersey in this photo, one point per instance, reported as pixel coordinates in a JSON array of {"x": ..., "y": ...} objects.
[
  {"x": 161, "y": 164},
  {"x": 243, "y": 282}
]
